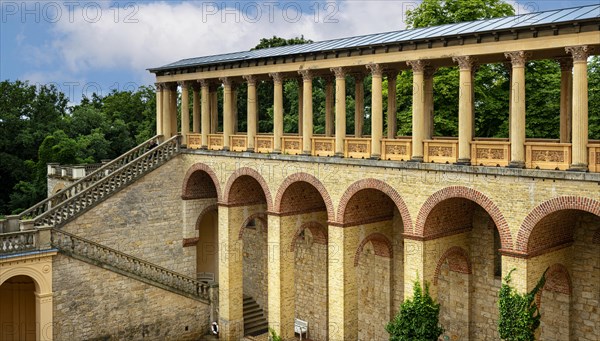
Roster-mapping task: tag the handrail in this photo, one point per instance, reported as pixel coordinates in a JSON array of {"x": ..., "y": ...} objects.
[
  {"x": 44, "y": 205},
  {"x": 107, "y": 185},
  {"x": 19, "y": 241},
  {"x": 73, "y": 245}
]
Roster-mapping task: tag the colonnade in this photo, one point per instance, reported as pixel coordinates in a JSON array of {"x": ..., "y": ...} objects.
[{"x": 573, "y": 106}]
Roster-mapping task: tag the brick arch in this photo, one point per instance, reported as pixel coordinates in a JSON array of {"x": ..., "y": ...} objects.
[
  {"x": 458, "y": 261},
  {"x": 311, "y": 180},
  {"x": 260, "y": 216},
  {"x": 550, "y": 206},
  {"x": 207, "y": 209},
  {"x": 557, "y": 280},
  {"x": 380, "y": 186},
  {"x": 246, "y": 171},
  {"x": 471, "y": 194},
  {"x": 188, "y": 182},
  {"x": 318, "y": 231},
  {"x": 381, "y": 245}
]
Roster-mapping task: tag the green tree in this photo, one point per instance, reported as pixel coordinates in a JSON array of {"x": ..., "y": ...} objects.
[
  {"x": 417, "y": 319},
  {"x": 519, "y": 315},
  {"x": 440, "y": 12}
]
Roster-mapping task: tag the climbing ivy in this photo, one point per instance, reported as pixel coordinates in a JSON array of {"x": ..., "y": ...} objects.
[
  {"x": 418, "y": 318},
  {"x": 519, "y": 315}
]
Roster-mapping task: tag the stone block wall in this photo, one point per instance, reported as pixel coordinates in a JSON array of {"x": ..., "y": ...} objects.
[
  {"x": 255, "y": 251},
  {"x": 91, "y": 303}
]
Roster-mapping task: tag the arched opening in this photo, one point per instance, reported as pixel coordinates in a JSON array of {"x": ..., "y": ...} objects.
[
  {"x": 464, "y": 240},
  {"x": 207, "y": 247},
  {"x": 373, "y": 220},
  {"x": 562, "y": 241},
  {"x": 304, "y": 217},
  {"x": 18, "y": 311}
]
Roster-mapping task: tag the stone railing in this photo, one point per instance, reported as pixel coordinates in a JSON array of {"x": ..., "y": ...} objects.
[
  {"x": 291, "y": 145},
  {"x": 323, "y": 146},
  {"x": 215, "y": 141},
  {"x": 490, "y": 152},
  {"x": 238, "y": 143},
  {"x": 100, "y": 255},
  {"x": 263, "y": 143},
  {"x": 23, "y": 241},
  {"x": 548, "y": 155},
  {"x": 109, "y": 184},
  {"x": 594, "y": 156},
  {"x": 97, "y": 175},
  {"x": 396, "y": 149},
  {"x": 357, "y": 148},
  {"x": 194, "y": 141},
  {"x": 443, "y": 150}
]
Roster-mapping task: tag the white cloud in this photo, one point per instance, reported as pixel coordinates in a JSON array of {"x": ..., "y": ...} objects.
[{"x": 156, "y": 33}]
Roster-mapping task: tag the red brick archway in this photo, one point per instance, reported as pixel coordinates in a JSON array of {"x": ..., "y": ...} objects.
[
  {"x": 318, "y": 231},
  {"x": 200, "y": 172},
  {"x": 557, "y": 280},
  {"x": 208, "y": 209},
  {"x": 245, "y": 171},
  {"x": 458, "y": 261},
  {"x": 311, "y": 180},
  {"x": 381, "y": 246},
  {"x": 380, "y": 186},
  {"x": 550, "y": 206},
  {"x": 259, "y": 216},
  {"x": 471, "y": 194}
]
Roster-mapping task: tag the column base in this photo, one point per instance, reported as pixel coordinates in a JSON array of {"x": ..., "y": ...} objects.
[
  {"x": 516, "y": 164},
  {"x": 250, "y": 150},
  {"x": 184, "y": 146},
  {"x": 578, "y": 167},
  {"x": 231, "y": 330},
  {"x": 225, "y": 149},
  {"x": 338, "y": 155},
  {"x": 416, "y": 159},
  {"x": 463, "y": 162},
  {"x": 204, "y": 147},
  {"x": 276, "y": 151},
  {"x": 306, "y": 153},
  {"x": 375, "y": 157}
]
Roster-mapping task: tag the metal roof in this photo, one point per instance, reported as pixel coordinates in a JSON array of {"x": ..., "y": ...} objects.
[{"x": 426, "y": 33}]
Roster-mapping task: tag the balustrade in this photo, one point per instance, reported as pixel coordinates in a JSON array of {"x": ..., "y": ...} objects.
[
  {"x": 263, "y": 143},
  {"x": 291, "y": 145},
  {"x": 490, "y": 152},
  {"x": 357, "y": 148},
  {"x": 323, "y": 146},
  {"x": 215, "y": 141},
  {"x": 547, "y": 155},
  {"x": 594, "y": 156},
  {"x": 441, "y": 150},
  {"x": 238, "y": 143},
  {"x": 16, "y": 242},
  {"x": 194, "y": 141},
  {"x": 396, "y": 149}
]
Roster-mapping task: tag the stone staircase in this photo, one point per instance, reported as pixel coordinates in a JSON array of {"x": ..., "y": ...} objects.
[
  {"x": 255, "y": 322},
  {"x": 99, "y": 185}
]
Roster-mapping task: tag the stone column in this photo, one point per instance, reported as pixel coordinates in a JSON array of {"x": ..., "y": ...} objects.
[
  {"x": 277, "y": 110},
  {"x": 252, "y": 105},
  {"x": 205, "y": 112},
  {"x": 307, "y": 116},
  {"x": 214, "y": 114},
  {"x": 517, "y": 116},
  {"x": 376, "y": 109},
  {"x": 428, "y": 74},
  {"x": 579, "y": 151},
  {"x": 359, "y": 104},
  {"x": 465, "y": 109},
  {"x": 392, "y": 127},
  {"x": 234, "y": 110},
  {"x": 329, "y": 124},
  {"x": 508, "y": 67},
  {"x": 173, "y": 110},
  {"x": 300, "y": 105},
  {"x": 231, "y": 319},
  {"x": 281, "y": 289},
  {"x": 185, "y": 112},
  {"x": 159, "y": 109},
  {"x": 340, "y": 109},
  {"x": 419, "y": 126},
  {"x": 196, "y": 109},
  {"x": 167, "y": 93},
  {"x": 566, "y": 99},
  {"x": 343, "y": 292},
  {"x": 227, "y": 111}
]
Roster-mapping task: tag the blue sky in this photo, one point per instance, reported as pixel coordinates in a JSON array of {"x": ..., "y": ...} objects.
[{"x": 96, "y": 46}]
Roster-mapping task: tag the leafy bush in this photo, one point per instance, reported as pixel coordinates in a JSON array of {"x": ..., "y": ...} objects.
[{"x": 417, "y": 319}]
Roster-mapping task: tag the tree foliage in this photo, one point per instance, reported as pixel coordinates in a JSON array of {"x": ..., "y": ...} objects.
[
  {"x": 440, "y": 12},
  {"x": 418, "y": 318},
  {"x": 519, "y": 315}
]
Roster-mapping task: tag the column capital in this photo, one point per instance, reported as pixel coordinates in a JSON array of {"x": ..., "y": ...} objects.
[
  {"x": 277, "y": 77},
  {"x": 227, "y": 81},
  {"x": 307, "y": 75},
  {"x": 465, "y": 63},
  {"x": 429, "y": 71},
  {"x": 328, "y": 79},
  {"x": 184, "y": 84},
  {"x": 159, "y": 86},
  {"x": 250, "y": 79},
  {"x": 517, "y": 58},
  {"x": 170, "y": 86},
  {"x": 391, "y": 73},
  {"x": 418, "y": 66},
  {"x": 566, "y": 63},
  {"x": 376, "y": 69},
  {"x": 339, "y": 72},
  {"x": 204, "y": 82},
  {"x": 580, "y": 53}
]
